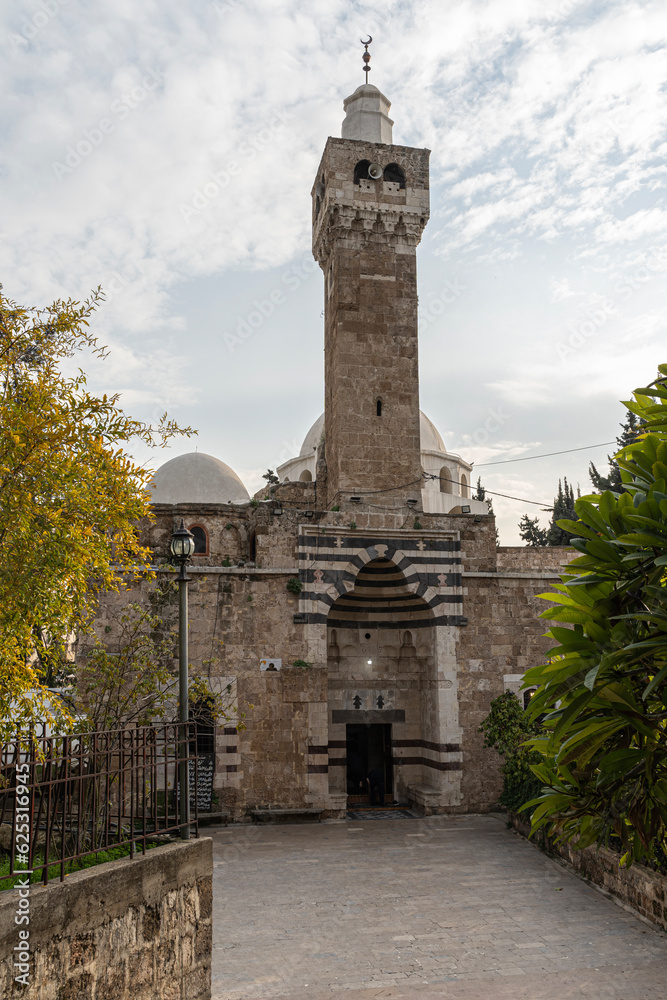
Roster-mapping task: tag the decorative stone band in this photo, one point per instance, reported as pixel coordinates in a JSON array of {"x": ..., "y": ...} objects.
[
  {"x": 380, "y": 581},
  {"x": 451, "y": 751},
  {"x": 231, "y": 748},
  {"x": 394, "y": 225}
]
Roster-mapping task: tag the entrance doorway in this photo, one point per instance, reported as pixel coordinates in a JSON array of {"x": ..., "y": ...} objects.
[{"x": 368, "y": 749}]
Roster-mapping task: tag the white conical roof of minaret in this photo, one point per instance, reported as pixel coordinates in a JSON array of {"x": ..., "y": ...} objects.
[{"x": 367, "y": 115}]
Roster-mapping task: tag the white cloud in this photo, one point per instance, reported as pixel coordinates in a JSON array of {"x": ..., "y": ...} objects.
[{"x": 546, "y": 125}]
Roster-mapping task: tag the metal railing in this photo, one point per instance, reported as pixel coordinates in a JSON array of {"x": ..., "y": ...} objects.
[{"x": 66, "y": 798}]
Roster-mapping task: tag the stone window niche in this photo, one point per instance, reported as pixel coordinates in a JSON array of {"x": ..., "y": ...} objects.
[{"x": 201, "y": 539}]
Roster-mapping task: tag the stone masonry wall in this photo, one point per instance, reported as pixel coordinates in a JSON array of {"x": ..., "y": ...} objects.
[
  {"x": 640, "y": 888},
  {"x": 125, "y": 930},
  {"x": 503, "y": 638},
  {"x": 364, "y": 237},
  {"x": 241, "y": 611}
]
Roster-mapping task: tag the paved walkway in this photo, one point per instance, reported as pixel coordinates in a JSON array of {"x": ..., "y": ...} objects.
[{"x": 459, "y": 908}]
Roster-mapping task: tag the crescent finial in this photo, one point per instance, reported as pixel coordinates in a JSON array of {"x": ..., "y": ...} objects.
[{"x": 366, "y": 56}]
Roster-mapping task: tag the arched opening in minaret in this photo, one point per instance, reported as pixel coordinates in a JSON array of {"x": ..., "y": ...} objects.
[
  {"x": 394, "y": 174},
  {"x": 381, "y": 669},
  {"x": 361, "y": 171},
  {"x": 306, "y": 476},
  {"x": 464, "y": 485},
  {"x": 445, "y": 480}
]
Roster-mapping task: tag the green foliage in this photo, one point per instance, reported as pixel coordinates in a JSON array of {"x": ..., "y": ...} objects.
[
  {"x": 564, "y": 508},
  {"x": 271, "y": 477},
  {"x": 128, "y": 676},
  {"x": 226, "y": 561},
  {"x": 89, "y": 861},
  {"x": 630, "y": 431},
  {"x": 534, "y": 535},
  {"x": 531, "y": 532},
  {"x": 335, "y": 507},
  {"x": 417, "y": 525},
  {"x": 506, "y": 728},
  {"x": 604, "y": 685},
  {"x": 70, "y": 498},
  {"x": 294, "y": 585},
  {"x": 353, "y": 525},
  {"x": 254, "y": 502},
  {"x": 303, "y": 664},
  {"x": 480, "y": 494}
]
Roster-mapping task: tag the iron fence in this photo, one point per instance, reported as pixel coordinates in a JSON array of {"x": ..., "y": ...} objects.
[{"x": 67, "y": 798}]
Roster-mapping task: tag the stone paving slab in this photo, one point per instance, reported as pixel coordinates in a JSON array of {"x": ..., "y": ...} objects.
[{"x": 453, "y": 907}]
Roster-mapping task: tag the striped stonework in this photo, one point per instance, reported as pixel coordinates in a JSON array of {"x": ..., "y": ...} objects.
[{"x": 384, "y": 580}]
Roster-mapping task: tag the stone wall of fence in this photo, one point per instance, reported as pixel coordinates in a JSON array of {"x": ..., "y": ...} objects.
[
  {"x": 640, "y": 888},
  {"x": 136, "y": 928}
]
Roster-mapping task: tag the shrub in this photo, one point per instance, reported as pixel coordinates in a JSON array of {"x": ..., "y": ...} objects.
[{"x": 505, "y": 729}]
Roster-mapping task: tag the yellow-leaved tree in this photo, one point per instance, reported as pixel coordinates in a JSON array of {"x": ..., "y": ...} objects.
[{"x": 70, "y": 498}]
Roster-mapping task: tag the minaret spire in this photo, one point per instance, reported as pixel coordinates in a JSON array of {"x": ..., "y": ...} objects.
[
  {"x": 367, "y": 110},
  {"x": 366, "y": 56}
]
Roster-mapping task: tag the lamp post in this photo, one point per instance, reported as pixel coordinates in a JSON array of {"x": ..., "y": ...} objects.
[{"x": 182, "y": 547}]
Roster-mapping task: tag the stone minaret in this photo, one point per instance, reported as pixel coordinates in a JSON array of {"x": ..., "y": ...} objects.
[{"x": 370, "y": 206}]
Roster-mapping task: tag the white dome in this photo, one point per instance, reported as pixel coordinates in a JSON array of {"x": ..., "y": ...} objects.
[
  {"x": 197, "y": 478},
  {"x": 312, "y": 438},
  {"x": 429, "y": 436}
]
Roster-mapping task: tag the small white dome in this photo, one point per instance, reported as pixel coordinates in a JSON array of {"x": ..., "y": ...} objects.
[
  {"x": 312, "y": 438},
  {"x": 429, "y": 436},
  {"x": 197, "y": 478}
]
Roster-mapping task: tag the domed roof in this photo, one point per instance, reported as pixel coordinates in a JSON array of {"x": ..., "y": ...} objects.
[
  {"x": 429, "y": 436},
  {"x": 312, "y": 438},
  {"x": 197, "y": 478}
]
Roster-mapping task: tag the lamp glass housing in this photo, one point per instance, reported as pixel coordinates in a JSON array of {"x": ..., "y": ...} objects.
[{"x": 182, "y": 543}]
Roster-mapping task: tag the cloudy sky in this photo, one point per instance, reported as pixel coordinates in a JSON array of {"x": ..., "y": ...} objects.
[{"x": 166, "y": 151}]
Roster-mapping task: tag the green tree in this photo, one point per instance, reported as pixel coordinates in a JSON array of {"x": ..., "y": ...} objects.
[
  {"x": 531, "y": 532},
  {"x": 480, "y": 494},
  {"x": 563, "y": 509},
  {"x": 70, "y": 497},
  {"x": 630, "y": 431},
  {"x": 603, "y": 689},
  {"x": 506, "y": 729}
]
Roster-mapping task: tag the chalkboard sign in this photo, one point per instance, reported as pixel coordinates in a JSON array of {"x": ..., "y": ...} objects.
[{"x": 205, "y": 767}]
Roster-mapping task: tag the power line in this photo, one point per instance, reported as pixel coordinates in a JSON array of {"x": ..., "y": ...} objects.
[
  {"x": 549, "y": 454},
  {"x": 538, "y": 503}
]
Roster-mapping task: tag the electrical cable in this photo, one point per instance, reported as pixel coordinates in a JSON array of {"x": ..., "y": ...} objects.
[{"x": 549, "y": 454}]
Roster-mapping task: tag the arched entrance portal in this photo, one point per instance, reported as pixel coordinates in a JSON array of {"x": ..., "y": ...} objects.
[{"x": 381, "y": 660}]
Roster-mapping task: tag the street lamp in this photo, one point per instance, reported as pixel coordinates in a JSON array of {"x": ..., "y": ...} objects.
[{"x": 182, "y": 547}]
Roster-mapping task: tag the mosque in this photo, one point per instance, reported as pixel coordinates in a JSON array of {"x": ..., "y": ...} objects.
[{"x": 359, "y": 611}]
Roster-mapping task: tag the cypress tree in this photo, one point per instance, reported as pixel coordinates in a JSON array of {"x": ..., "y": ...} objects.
[
  {"x": 531, "y": 532},
  {"x": 563, "y": 509},
  {"x": 630, "y": 431}
]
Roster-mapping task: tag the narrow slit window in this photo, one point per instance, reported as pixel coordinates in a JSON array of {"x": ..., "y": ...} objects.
[{"x": 378, "y": 408}]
